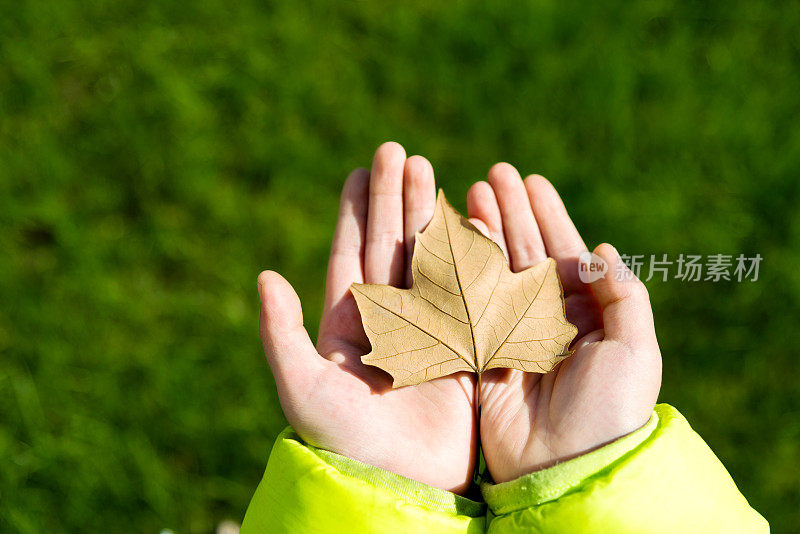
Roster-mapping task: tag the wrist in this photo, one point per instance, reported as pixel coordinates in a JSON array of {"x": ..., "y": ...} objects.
[
  {"x": 543, "y": 453},
  {"x": 450, "y": 470},
  {"x": 551, "y": 482}
]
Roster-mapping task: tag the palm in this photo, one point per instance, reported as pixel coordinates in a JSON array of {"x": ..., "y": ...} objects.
[
  {"x": 425, "y": 432},
  {"x": 538, "y": 420},
  {"x": 607, "y": 388}
]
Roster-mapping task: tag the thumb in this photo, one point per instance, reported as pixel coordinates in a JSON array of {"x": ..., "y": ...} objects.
[
  {"x": 291, "y": 354},
  {"x": 627, "y": 315}
]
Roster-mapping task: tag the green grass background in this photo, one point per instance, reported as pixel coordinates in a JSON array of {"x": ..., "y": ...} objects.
[{"x": 155, "y": 156}]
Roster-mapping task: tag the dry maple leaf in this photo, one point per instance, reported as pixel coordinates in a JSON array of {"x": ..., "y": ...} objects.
[{"x": 466, "y": 310}]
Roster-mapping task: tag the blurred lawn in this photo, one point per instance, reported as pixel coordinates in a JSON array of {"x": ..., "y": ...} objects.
[{"x": 155, "y": 156}]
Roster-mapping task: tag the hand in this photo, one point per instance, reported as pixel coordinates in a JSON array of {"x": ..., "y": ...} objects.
[
  {"x": 333, "y": 401},
  {"x": 608, "y": 387}
]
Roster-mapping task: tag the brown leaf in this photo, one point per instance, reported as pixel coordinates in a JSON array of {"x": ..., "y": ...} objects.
[{"x": 466, "y": 310}]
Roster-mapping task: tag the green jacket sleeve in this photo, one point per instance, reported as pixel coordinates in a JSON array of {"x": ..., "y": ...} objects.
[
  {"x": 660, "y": 479},
  {"x": 315, "y": 491}
]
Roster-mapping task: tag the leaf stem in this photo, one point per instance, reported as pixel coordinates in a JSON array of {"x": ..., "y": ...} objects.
[
  {"x": 476, "y": 476},
  {"x": 478, "y": 394}
]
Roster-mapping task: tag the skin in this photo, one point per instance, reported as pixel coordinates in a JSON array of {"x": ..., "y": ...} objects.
[
  {"x": 333, "y": 401},
  {"x": 428, "y": 432},
  {"x": 608, "y": 387}
]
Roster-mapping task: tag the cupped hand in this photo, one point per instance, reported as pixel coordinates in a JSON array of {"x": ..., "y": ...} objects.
[
  {"x": 609, "y": 386},
  {"x": 333, "y": 401}
]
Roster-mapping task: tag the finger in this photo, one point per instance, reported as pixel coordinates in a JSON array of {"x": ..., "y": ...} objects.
[
  {"x": 561, "y": 239},
  {"x": 384, "y": 257},
  {"x": 525, "y": 245},
  {"x": 481, "y": 226},
  {"x": 292, "y": 357},
  {"x": 627, "y": 315},
  {"x": 345, "y": 265},
  {"x": 482, "y": 204},
  {"x": 419, "y": 201}
]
